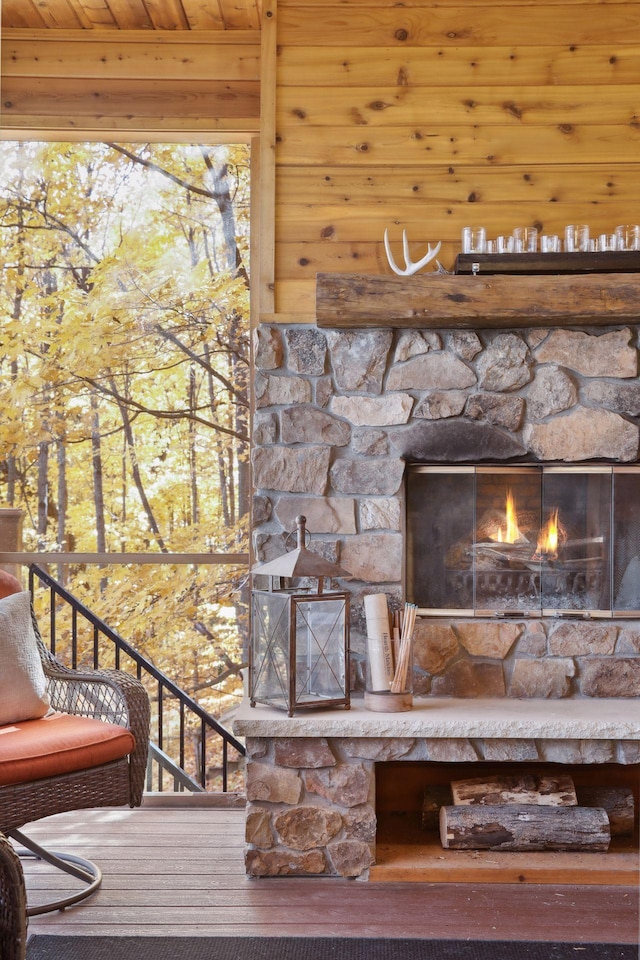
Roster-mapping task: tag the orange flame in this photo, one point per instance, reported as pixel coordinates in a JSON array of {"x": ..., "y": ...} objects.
[
  {"x": 548, "y": 539},
  {"x": 512, "y": 533}
]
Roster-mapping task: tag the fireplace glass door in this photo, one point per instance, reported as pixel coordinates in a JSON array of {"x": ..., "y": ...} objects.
[{"x": 523, "y": 540}]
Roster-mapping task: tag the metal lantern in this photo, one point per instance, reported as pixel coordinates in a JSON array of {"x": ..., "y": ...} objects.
[{"x": 299, "y": 639}]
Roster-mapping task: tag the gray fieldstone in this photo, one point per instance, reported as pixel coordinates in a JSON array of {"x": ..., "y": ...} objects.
[
  {"x": 257, "y": 747},
  {"x": 583, "y": 434},
  {"x": 265, "y": 428},
  {"x": 323, "y": 391},
  {"x": 262, "y": 508},
  {"x": 377, "y": 749},
  {"x": 502, "y": 411},
  {"x": 447, "y": 750},
  {"x": 604, "y": 355},
  {"x": 258, "y": 828},
  {"x": 373, "y": 557},
  {"x": 577, "y": 751},
  {"x": 306, "y": 828},
  {"x": 347, "y": 784},
  {"x": 324, "y": 514},
  {"x": 455, "y": 441},
  {"x": 359, "y": 359},
  {"x": 272, "y": 391},
  {"x": 268, "y": 351},
  {"x": 470, "y": 680},
  {"x": 294, "y": 469},
  {"x": 350, "y": 858},
  {"x": 303, "y": 752},
  {"x": 413, "y": 343},
  {"x": 307, "y": 351},
  {"x": 274, "y": 784},
  {"x": 465, "y": 343},
  {"x": 283, "y": 863},
  {"x": 440, "y": 404},
  {"x": 610, "y": 677},
  {"x": 376, "y": 477},
  {"x": 619, "y": 397},
  {"x": 384, "y": 411},
  {"x": 488, "y": 638},
  {"x": 629, "y": 640},
  {"x": 551, "y": 392},
  {"x": 431, "y": 371},
  {"x": 360, "y": 823},
  {"x": 505, "y": 364},
  {"x": 499, "y": 751},
  {"x": 580, "y": 639},
  {"x": 383, "y": 513},
  {"x": 533, "y": 643},
  {"x": 304, "y": 423},
  {"x": 544, "y": 679},
  {"x": 434, "y": 645},
  {"x": 370, "y": 443}
]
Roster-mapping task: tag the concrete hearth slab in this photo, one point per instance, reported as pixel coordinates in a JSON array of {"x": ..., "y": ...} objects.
[{"x": 575, "y": 719}]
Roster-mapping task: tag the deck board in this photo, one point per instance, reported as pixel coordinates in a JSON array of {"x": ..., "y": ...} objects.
[{"x": 179, "y": 871}]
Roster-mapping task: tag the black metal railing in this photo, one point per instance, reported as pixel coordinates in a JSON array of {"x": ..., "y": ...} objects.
[{"x": 165, "y": 695}]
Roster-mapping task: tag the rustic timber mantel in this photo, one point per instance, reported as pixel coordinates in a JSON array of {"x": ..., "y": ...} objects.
[{"x": 453, "y": 301}]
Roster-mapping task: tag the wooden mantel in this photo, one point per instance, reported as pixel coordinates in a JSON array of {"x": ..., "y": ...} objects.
[{"x": 455, "y": 301}]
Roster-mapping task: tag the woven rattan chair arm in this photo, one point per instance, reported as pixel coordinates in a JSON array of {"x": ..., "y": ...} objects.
[{"x": 13, "y": 904}]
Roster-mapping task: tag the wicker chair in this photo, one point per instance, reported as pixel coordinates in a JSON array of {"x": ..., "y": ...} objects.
[
  {"x": 107, "y": 695},
  {"x": 13, "y": 904}
]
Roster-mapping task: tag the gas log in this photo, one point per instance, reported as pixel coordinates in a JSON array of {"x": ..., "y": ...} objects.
[{"x": 524, "y": 827}]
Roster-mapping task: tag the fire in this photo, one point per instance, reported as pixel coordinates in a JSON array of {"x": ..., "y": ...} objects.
[
  {"x": 512, "y": 533},
  {"x": 548, "y": 539}
]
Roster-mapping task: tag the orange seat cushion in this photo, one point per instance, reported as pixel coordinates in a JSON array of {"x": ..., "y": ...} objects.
[{"x": 58, "y": 744}]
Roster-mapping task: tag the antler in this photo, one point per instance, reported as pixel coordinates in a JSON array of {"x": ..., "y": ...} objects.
[{"x": 410, "y": 268}]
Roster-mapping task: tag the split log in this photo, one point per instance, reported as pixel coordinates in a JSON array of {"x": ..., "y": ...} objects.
[
  {"x": 556, "y": 791},
  {"x": 617, "y": 801},
  {"x": 435, "y": 796},
  {"x": 523, "y": 827}
]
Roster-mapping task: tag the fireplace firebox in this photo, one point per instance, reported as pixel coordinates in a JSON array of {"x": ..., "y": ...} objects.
[{"x": 524, "y": 540}]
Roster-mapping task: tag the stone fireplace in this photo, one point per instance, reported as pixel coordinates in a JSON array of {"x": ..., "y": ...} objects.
[{"x": 339, "y": 414}]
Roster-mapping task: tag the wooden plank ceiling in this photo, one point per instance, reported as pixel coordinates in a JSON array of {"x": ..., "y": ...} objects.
[{"x": 132, "y": 14}]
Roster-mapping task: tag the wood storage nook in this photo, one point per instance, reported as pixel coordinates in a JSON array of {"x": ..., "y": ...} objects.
[{"x": 506, "y": 823}]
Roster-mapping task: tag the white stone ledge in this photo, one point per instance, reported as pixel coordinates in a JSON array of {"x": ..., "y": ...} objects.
[{"x": 579, "y": 719}]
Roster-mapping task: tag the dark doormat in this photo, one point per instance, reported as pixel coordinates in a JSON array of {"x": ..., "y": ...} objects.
[{"x": 313, "y": 948}]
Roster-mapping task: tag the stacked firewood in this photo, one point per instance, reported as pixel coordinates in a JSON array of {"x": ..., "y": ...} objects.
[{"x": 527, "y": 812}]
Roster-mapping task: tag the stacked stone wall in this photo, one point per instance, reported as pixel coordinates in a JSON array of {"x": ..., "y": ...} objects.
[
  {"x": 338, "y": 413},
  {"x": 311, "y": 801}
]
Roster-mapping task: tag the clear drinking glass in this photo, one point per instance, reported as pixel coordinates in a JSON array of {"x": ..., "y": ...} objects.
[
  {"x": 474, "y": 239},
  {"x": 504, "y": 244},
  {"x": 550, "y": 243},
  {"x": 576, "y": 238},
  {"x": 628, "y": 236},
  {"x": 525, "y": 239},
  {"x": 607, "y": 242}
]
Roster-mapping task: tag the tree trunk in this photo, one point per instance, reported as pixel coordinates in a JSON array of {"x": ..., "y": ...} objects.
[
  {"x": 550, "y": 791},
  {"x": 617, "y": 801}
]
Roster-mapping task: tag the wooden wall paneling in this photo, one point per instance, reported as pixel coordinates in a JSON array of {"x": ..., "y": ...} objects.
[
  {"x": 447, "y": 67},
  {"x": 129, "y": 14},
  {"x": 66, "y": 80},
  {"x": 430, "y": 24},
  {"x": 430, "y": 116},
  {"x": 204, "y": 16},
  {"x": 134, "y": 55}
]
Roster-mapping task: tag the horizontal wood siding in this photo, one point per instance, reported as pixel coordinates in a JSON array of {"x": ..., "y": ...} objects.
[
  {"x": 433, "y": 115},
  {"x": 178, "y": 83}
]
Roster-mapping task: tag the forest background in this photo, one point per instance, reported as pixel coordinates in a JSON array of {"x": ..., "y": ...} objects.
[{"x": 124, "y": 359}]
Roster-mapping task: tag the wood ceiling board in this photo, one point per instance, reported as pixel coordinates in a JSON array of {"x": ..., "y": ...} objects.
[
  {"x": 56, "y": 14},
  {"x": 18, "y": 13},
  {"x": 204, "y": 14},
  {"x": 167, "y": 14},
  {"x": 129, "y": 14}
]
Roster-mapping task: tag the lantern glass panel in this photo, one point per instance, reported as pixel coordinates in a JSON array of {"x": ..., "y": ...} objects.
[
  {"x": 320, "y": 649},
  {"x": 270, "y": 654}
]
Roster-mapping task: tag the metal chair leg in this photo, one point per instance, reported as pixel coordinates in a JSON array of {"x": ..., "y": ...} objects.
[{"x": 84, "y": 870}]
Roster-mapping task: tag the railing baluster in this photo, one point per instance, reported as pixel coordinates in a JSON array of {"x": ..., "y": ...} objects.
[{"x": 144, "y": 669}]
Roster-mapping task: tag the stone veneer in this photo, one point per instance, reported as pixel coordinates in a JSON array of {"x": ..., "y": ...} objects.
[
  {"x": 311, "y": 799},
  {"x": 339, "y": 412}
]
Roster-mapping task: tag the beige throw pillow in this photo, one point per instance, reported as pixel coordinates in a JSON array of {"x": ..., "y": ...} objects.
[{"x": 23, "y": 685}]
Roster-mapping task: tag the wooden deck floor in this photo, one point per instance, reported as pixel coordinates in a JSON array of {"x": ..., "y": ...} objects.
[{"x": 179, "y": 871}]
